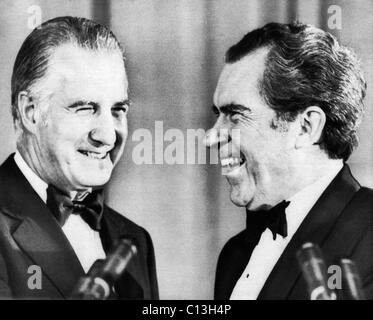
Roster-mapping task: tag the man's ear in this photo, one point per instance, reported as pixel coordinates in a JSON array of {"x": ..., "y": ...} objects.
[
  {"x": 312, "y": 122},
  {"x": 26, "y": 110}
]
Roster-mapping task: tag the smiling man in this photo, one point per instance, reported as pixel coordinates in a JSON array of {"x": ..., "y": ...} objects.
[
  {"x": 295, "y": 95},
  {"x": 69, "y": 105}
]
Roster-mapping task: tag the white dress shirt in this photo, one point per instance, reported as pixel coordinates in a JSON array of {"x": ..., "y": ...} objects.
[
  {"x": 85, "y": 241},
  {"x": 266, "y": 254}
]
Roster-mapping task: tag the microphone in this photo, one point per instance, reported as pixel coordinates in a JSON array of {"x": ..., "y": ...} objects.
[
  {"x": 103, "y": 274},
  {"x": 314, "y": 271},
  {"x": 352, "y": 285}
]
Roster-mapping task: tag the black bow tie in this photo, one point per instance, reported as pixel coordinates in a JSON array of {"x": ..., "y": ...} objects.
[
  {"x": 273, "y": 219},
  {"x": 90, "y": 208}
]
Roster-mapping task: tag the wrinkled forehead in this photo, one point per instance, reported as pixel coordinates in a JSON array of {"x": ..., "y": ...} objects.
[
  {"x": 241, "y": 76},
  {"x": 85, "y": 73},
  {"x": 70, "y": 60}
]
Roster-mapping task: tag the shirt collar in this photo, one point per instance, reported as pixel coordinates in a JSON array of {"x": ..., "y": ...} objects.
[{"x": 303, "y": 201}]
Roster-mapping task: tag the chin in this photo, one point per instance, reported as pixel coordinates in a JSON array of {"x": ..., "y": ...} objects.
[
  {"x": 93, "y": 180},
  {"x": 89, "y": 175},
  {"x": 239, "y": 199}
]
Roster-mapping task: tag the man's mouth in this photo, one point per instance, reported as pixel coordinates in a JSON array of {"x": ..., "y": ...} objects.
[
  {"x": 94, "y": 155},
  {"x": 229, "y": 164}
]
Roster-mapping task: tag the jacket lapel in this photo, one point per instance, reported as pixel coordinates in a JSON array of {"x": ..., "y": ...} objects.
[
  {"x": 37, "y": 232},
  {"x": 315, "y": 228},
  {"x": 234, "y": 258}
]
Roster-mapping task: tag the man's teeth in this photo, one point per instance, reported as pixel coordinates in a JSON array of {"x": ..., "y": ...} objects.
[
  {"x": 231, "y": 162},
  {"x": 94, "y": 155}
]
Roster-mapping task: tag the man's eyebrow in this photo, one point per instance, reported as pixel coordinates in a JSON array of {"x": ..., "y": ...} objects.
[
  {"x": 232, "y": 108},
  {"x": 83, "y": 103},
  {"x": 126, "y": 102}
]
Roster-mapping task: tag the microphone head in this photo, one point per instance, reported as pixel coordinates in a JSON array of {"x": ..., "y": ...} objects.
[
  {"x": 314, "y": 270},
  {"x": 352, "y": 285},
  {"x": 118, "y": 259},
  {"x": 103, "y": 274}
]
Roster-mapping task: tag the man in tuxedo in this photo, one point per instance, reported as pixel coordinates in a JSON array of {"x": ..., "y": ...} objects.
[
  {"x": 295, "y": 97},
  {"x": 69, "y": 105}
]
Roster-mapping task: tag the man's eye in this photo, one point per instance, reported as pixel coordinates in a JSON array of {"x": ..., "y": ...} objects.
[
  {"x": 120, "y": 110},
  {"x": 234, "y": 117},
  {"x": 86, "y": 110}
]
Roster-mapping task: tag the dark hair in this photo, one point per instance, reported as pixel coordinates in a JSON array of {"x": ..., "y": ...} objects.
[
  {"x": 306, "y": 66},
  {"x": 32, "y": 59}
]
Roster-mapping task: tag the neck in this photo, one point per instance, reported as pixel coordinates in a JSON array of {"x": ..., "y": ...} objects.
[
  {"x": 308, "y": 172},
  {"x": 31, "y": 160}
]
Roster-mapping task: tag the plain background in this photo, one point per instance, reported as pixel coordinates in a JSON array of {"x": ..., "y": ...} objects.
[{"x": 175, "y": 51}]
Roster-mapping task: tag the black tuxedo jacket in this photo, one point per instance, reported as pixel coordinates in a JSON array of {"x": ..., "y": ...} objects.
[
  {"x": 341, "y": 223},
  {"x": 30, "y": 236}
]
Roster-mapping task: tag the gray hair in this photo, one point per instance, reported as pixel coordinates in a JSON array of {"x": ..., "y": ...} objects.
[
  {"x": 306, "y": 66},
  {"x": 32, "y": 59}
]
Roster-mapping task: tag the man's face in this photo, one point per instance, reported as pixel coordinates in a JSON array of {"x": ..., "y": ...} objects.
[
  {"x": 258, "y": 166},
  {"x": 82, "y": 124}
]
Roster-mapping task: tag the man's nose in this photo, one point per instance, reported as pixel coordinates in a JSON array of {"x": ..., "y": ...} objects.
[
  {"x": 103, "y": 132},
  {"x": 216, "y": 136}
]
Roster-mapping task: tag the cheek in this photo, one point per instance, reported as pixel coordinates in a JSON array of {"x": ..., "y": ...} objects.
[
  {"x": 69, "y": 128},
  {"x": 47, "y": 140},
  {"x": 264, "y": 159},
  {"x": 276, "y": 162},
  {"x": 121, "y": 133},
  {"x": 63, "y": 137},
  {"x": 124, "y": 132}
]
